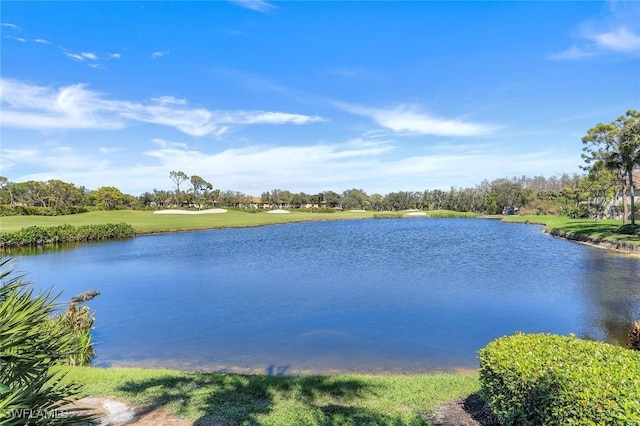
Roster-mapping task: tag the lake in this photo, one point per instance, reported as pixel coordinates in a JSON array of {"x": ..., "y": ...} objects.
[{"x": 394, "y": 295}]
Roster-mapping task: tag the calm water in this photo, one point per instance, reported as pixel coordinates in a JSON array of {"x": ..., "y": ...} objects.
[{"x": 364, "y": 295}]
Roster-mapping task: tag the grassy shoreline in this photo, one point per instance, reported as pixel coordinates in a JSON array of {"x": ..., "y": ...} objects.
[
  {"x": 146, "y": 222},
  {"x": 279, "y": 400},
  {"x": 601, "y": 233}
]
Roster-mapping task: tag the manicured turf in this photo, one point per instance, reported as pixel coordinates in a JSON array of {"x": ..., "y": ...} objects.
[
  {"x": 281, "y": 400},
  {"x": 601, "y": 229},
  {"x": 148, "y": 222}
]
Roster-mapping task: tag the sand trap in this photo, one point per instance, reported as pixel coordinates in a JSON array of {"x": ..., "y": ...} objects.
[
  {"x": 357, "y": 211},
  {"x": 416, "y": 214},
  {"x": 280, "y": 211},
  {"x": 207, "y": 211}
]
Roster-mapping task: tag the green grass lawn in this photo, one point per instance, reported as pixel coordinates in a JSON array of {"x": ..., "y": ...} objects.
[
  {"x": 148, "y": 222},
  {"x": 601, "y": 229},
  {"x": 280, "y": 400}
]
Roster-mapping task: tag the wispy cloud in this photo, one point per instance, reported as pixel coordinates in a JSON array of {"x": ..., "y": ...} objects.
[
  {"x": 574, "y": 52},
  {"x": 90, "y": 59},
  {"x": 75, "y": 107},
  {"x": 10, "y": 25},
  {"x": 158, "y": 54},
  {"x": 615, "y": 32},
  {"x": 41, "y": 41},
  {"x": 81, "y": 57},
  {"x": 257, "y": 5},
  {"x": 410, "y": 119},
  {"x": 108, "y": 150},
  {"x": 20, "y": 39},
  {"x": 619, "y": 40},
  {"x": 252, "y": 170}
]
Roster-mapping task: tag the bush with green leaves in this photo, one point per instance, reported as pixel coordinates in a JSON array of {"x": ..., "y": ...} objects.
[
  {"x": 545, "y": 379},
  {"x": 316, "y": 209},
  {"x": 40, "y": 235},
  {"x": 77, "y": 322},
  {"x": 30, "y": 392},
  {"x": 388, "y": 215},
  {"x": 634, "y": 337},
  {"x": 449, "y": 214}
]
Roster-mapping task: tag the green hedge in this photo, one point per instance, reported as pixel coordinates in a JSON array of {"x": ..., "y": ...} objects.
[
  {"x": 449, "y": 214},
  {"x": 6, "y": 210},
  {"x": 544, "y": 379},
  {"x": 388, "y": 215},
  {"x": 39, "y": 236}
]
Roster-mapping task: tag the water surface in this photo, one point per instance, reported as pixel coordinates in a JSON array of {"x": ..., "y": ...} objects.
[{"x": 393, "y": 295}]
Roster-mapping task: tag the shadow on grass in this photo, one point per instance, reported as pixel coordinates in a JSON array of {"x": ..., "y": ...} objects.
[
  {"x": 229, "y": 399},
  {"x": 590, "y": 228}
]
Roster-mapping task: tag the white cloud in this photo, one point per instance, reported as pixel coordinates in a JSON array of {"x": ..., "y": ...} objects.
[
  {"x": 618, "y": 40},
  {"x": 617, "y": 31},
  {"x": 20, "y": 39},
  {"x": 41, "y": 41},
  {"x": 81, "y": 57},
  {"x": 70, "y": 107},
  {"x": 114, "y": 56},
  {"x": 156, "y": 55},
  {"x": 573, "y": 53},
  {"x": 10, "y": 25},
  {"x": 89, "y": 55},
  {"x": 257, "y": 5},
  {"x": 266, "y": 117},
  {"x": 108, "y": 150},
  {"x": 357, "y": 162},
  {"x": 412, "y": 120},
  {"x": 169, "y": 100},
  {"x": 75, "y": 106},
  {"x": 56, "y": 160}
]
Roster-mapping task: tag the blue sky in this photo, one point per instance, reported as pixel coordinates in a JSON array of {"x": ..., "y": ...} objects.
[{"x": 309, "y": 96}]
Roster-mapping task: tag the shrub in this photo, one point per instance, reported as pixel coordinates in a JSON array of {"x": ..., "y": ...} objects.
[
  {"x": 77, "y": 322},
  {"x": 31, "y": 346},
  {"x": 544, "y": 379},
  {"x": 629, "y": 229},
  {"x": 6, "y": 210},
  {"x": 388, "y": 215},
  {"x": 450, "y": 214},
  {"x": 316, "y": 210},
  {"x": 634, "y": 337},
  {"x": 39, "y": 236}
]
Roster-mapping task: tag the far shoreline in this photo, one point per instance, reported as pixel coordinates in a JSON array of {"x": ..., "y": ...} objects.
[{"x": 600, "y": 234}]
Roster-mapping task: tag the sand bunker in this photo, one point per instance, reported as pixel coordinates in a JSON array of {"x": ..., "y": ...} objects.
[
  {"x": 357, "y": 211},
  {"x": 207, "y": 211},
  {"x": 416, "y": 214},
  {"x": 278, "y": 211}
]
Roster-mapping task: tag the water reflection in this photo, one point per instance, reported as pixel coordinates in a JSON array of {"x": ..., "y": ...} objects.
[
  {"x": 612, "y": 296},
  {"x": 363, "y": 296}
]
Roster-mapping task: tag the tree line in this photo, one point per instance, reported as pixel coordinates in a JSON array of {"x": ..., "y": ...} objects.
[
  {"x": 556, "y": 194},
  {"x": 611, "y": 155}
]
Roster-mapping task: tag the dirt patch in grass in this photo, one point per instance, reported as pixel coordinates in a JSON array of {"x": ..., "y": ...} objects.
[{"x": 469, "y": 411}]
